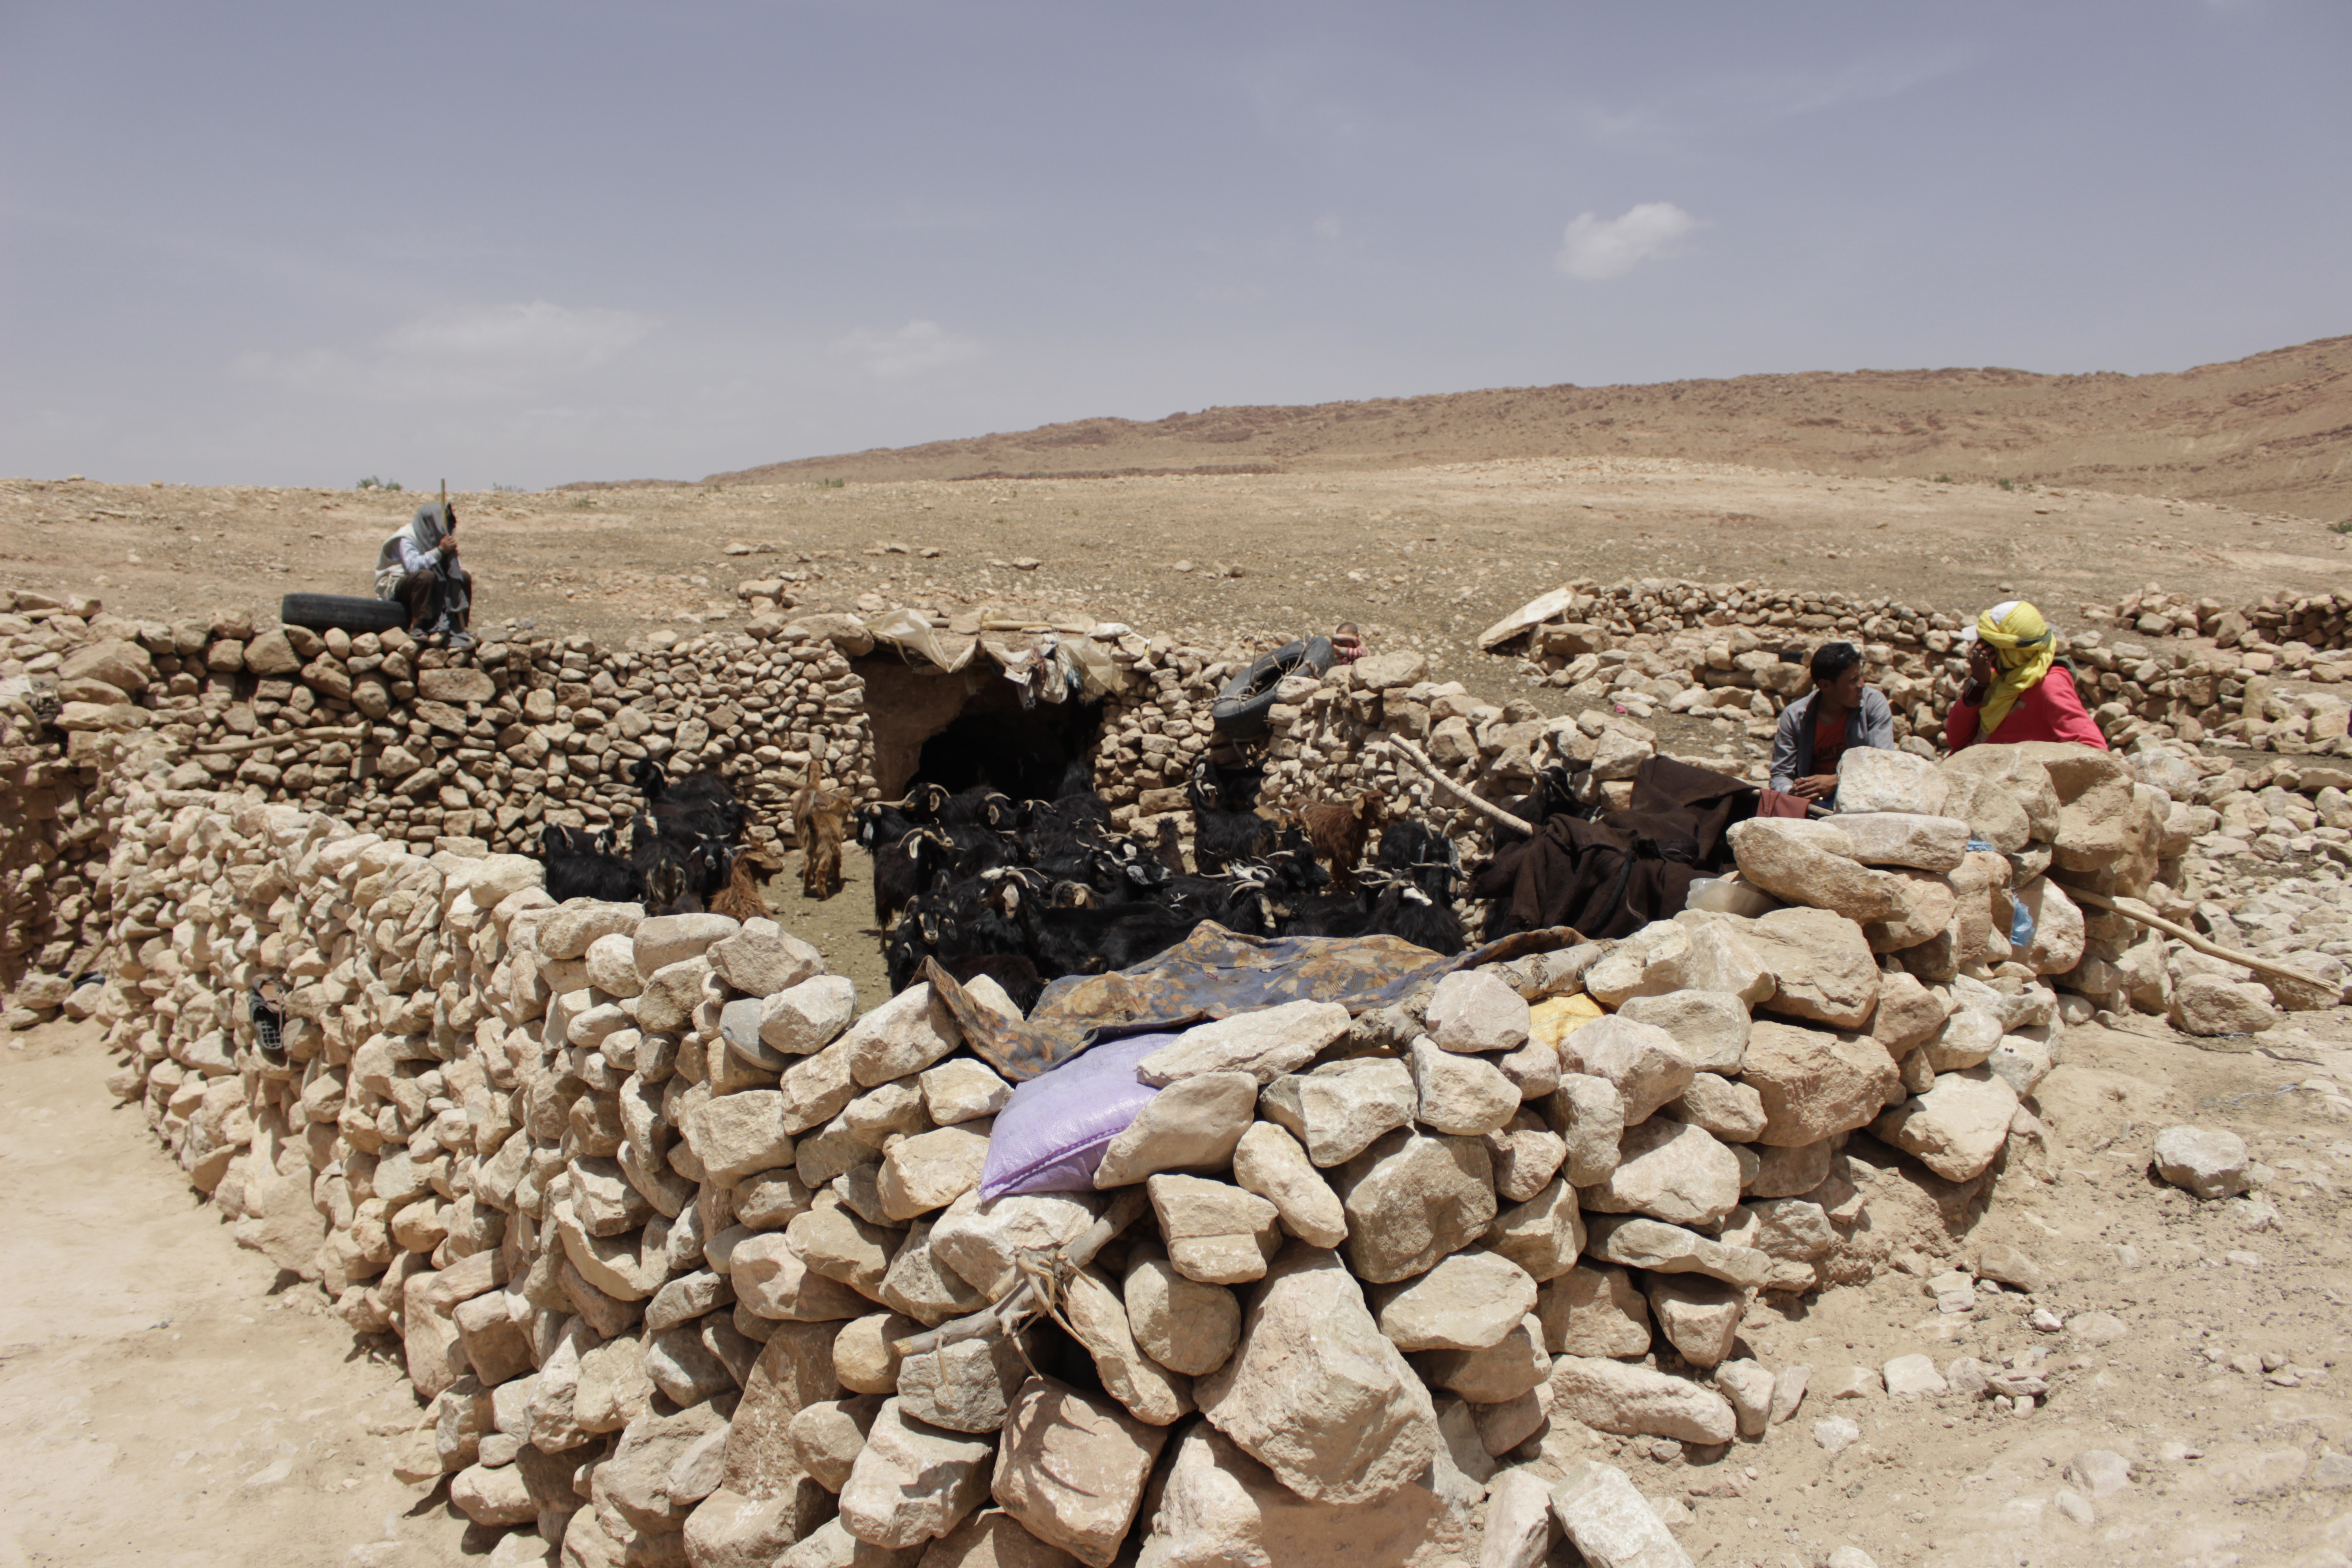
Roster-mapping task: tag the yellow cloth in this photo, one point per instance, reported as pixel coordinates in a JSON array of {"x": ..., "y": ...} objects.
[{"x": 2024, "y": 649}]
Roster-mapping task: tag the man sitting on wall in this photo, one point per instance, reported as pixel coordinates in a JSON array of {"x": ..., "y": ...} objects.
[
  {"x": 1839, "y": 714},
  {"x": 418, "y": 566}
]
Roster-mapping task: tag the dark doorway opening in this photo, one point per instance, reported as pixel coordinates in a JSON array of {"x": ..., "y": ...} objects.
[{"x": 969, "y": 728}]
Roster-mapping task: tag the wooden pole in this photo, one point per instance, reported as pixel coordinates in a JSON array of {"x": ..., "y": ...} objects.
[
  {"x": 2132, "y": 908},
  {"x": 1412, "y": 754}
]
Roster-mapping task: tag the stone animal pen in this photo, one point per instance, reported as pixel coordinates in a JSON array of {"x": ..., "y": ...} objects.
[{"x": 685, "y": 1246}]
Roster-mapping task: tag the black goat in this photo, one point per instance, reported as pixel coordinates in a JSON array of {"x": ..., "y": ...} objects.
[
  {"x": 701, "y": 804},
  {"x": 1405, "y": 911},
  {"x": 1221, "y": 835},
  {"x": 1421, "y": 856},
  {"x": 884, "y": 823},
  {"x": 981, "y": 806},
  {"x": 580, "y": 865},
  {"x": 906, "y": 867},
  {"x": 679, "y": 870},
  {"x": 1096, "y": 941}
]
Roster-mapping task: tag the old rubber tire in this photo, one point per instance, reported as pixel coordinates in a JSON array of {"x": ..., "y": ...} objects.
[
  {"x": 1244, "y": 703},
  {"x": 323, "y": 612}
]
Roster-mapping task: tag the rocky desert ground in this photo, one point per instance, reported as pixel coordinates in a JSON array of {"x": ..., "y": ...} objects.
[{"x": 2182, "y": 1361}]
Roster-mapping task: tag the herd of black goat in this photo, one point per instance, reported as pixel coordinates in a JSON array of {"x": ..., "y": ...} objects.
[
  {"x": 1028, "y": 891},
  {"x": 679, "y": 856}
]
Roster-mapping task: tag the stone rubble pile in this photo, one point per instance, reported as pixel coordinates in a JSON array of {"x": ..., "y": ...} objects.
[
  {"x": 1689, "y": 647},
  {"x": 654, "y": 1208}
]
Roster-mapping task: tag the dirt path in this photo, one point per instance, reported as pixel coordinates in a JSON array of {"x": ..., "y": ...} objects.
[{"x": 162, "y": 1401}]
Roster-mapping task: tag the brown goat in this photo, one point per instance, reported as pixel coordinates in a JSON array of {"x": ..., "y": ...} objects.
[
  {"x": 741, "y": 897},
  {"x": 1339, "y": 831},
  {"x": 820, "y": 821}
]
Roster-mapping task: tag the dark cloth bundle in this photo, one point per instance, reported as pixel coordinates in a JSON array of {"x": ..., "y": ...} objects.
[{"x": 1611, "y": 876}]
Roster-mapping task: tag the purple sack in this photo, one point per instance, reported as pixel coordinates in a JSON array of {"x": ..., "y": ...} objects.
[{"x": 1051, "y": 1134}]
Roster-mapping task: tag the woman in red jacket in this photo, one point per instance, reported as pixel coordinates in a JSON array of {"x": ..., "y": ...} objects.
[{"x": 2011, "y": 652}]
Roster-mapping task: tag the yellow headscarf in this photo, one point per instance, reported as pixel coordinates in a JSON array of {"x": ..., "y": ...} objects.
[{"x": 2023, "y": 650}]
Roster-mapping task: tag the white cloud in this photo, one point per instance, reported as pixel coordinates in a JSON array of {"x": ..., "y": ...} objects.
[
  {"x": 1327, "y": 226},
  {"x": 462, "y": 353},
  {"x": 912, "y": 350},
  {"x": 538, "y": 334},
  {"x": 1597, "y": 247}
]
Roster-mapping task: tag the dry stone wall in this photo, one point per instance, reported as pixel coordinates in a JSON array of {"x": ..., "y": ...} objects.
[{"x": 651, "y": 1206}]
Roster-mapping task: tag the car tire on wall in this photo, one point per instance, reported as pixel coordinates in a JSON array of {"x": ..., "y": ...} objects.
[
  {"x": 1243, "y": 702},
  {"x": 325, "y": 612}
]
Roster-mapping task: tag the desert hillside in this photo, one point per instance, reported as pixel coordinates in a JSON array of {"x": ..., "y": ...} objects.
[{"x": 2272, "y": 433}]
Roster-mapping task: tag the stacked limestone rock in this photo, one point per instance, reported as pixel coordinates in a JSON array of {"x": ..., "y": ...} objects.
[
  {"x": 52, "y": 662},
  {"x": 652, "y": 1210}
]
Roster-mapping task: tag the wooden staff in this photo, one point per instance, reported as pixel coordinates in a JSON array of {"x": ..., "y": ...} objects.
[
  {"x": 1412, "y": 754},
  {"x": 2132, "y": 908}
]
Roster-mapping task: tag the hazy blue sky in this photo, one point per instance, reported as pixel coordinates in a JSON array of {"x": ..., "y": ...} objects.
[{"x": 524, "y": 243}]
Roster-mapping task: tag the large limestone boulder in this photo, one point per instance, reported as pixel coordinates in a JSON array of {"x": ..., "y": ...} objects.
[
  {"x": 2097, "y": 818},
  {"x": 1317, "y": 1393},
  {"x": 1611, "y": 1523},
  {"x": 1268, "y": 1161},
  {"x": 2058, "y": 931},
  {"x": 1099, "y": 1319},
  {"x": 666, "y": 940},
  {"x": 1958, "y": 1127},
  {"x": 1460, "y": 1094},
  {"x": 2002, "y": 794},
  {"x": 2208, "y": 1005},
  {"x": 763, "y": 959},
  {"x": 1671, "y": 1170},
  {"x": 1674, "y": 955},
  {"x": 1337, "y": 1109},
  {"x": 1473, "y": 1011},
  {"x": 1544, "y": 1235},
  {"x": 2206, "y": 1162},
  {"x": 1647, "y": 1066},
  {"x": 1639, "y": 1242},
  {"x": 1590, "y": 1116},
  {"x": 1267, "y": 1042},
  {"x": 1191, "y": 1125},
  {"x": 1218, "y": 1234},
  {"x": 1930, "y": 903},
  {"x": 1185, "y": 1326},
  {"x": 1811, "y": 863},
  {"x": 1594, "y": 1310},
  {"x": 1634, "y": 1401},
  {"x": 913, "y": 1482},
  {"x": 1712, "y": 1025},
  {"x": 1815, "y": 1083},
  {"x": 1733, "y": 1112},
  {"x": 1071, "y": 1468},
  {"x": 1871, "y": 780},
  {"x": 900, "y": 1037},
  {"x": 1220, "y": 1508},
  {"x": 1467, "y": 1302},
  {"x": 984, "y": 1241},
  {"x": 1908, "y": 839},
  {"x": 124, "y": 665},
  {"x": 1412, "y": 1199},
  {"x": 738, "y": 1135},
  {"x": 1699, "y": 1315},
  {"x": 1821, "y": 966}
]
